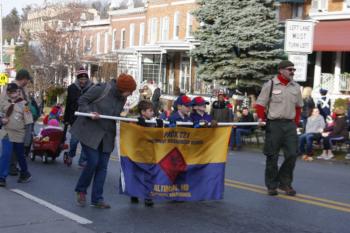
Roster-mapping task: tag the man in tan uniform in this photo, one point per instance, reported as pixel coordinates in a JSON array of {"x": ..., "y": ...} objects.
[{"x": 279, "y": 103}]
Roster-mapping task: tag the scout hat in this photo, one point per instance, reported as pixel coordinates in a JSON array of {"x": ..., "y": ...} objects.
[
  {"x": 12, "y": 87},
  {"x": 285, "y": 63}
]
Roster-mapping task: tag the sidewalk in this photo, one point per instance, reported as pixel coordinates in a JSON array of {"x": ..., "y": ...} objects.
[{"x": 19, "y": 215}]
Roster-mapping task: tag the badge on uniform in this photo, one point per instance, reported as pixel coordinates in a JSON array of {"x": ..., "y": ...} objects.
[
  {"x": 26, "y": 109},
  {"x": 276, "y": 92}
]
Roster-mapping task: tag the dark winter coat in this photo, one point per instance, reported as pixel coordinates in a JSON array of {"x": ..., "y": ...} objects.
[
  {"x": 74, "y": 92},
  {"x": 340, "y": 128},
  {"x": 94, "y": 133},
  {"x": 248, "y": 118}
]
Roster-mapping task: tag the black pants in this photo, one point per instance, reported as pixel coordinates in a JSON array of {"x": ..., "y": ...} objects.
[{"x": 280, "y": 134}]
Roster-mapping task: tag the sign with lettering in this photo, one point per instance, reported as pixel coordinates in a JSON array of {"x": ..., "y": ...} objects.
[
  {"x": 299, "y": 36},
  {"x": 300, "y": 65}
]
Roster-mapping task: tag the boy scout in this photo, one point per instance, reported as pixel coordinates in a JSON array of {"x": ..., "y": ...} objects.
[
  {"x": 16, "y": 122},
  {"x": 281, "y": 98}
]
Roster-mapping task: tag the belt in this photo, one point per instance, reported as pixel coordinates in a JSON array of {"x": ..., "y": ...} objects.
[{"x": 281, "y": 120}]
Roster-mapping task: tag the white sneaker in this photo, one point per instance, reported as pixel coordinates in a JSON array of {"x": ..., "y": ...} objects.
[
  {"x": 330, "y": 156},
  {"x": 347, "y": 156},
  {"x": 322, "y": 156}
]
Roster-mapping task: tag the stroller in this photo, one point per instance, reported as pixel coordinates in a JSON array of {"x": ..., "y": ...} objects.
[{"x": 49, "y": 144}]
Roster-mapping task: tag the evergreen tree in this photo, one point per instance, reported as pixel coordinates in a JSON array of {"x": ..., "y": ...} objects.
[{"x": 240, "y": 42}]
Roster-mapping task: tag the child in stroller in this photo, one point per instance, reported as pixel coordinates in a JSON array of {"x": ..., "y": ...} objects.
[{"x": 49, "y": 142}]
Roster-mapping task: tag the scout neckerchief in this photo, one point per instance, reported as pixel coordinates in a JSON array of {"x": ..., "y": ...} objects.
[{"x": 12, "y": 106}]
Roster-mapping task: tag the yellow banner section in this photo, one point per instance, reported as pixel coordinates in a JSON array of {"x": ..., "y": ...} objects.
[{"x": 197, "y": 146}]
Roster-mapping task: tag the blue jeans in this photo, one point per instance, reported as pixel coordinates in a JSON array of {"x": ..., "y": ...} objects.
[
  {"x": 308, "y": 139},
  {"x": 96, "y": 167},
  {"x": 239, "y": 132},
  {"x": 7, "y": 148},
  {"x": 73, "y": 144}
]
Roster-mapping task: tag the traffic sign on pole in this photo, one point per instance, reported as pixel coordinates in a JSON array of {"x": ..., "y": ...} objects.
[{"x": 3, "y": 79}]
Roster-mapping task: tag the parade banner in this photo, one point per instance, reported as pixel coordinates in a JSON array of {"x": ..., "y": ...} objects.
[{"x": 183, "y": 164}]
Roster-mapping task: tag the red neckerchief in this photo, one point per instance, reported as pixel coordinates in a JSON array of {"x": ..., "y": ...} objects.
[{"x": 283, "y": 80}]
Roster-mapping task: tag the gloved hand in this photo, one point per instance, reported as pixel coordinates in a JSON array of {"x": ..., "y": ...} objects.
[
  {"x": 172, "y": 124},
  {"x": 141, "y": 121},
  {"x": 160, "y": 123},
  {"x": 213, "y": 123},
  {"x": 196, "y": 124}
]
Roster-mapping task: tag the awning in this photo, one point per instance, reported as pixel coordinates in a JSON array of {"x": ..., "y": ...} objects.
[
  {"x": 291, "y": 1},
  {"x": 332, "y": 36}
]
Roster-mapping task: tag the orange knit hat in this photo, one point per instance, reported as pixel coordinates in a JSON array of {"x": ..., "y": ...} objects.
[{"x": 126, "y": 83}]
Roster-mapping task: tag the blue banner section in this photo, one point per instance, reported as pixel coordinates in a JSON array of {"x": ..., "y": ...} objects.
[{"x": 195, "y": 183}]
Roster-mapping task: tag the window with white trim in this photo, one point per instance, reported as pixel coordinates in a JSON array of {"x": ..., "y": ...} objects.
[
  {"x": 297, "y": 10},
  {"x": 122, "y": 39},
  {"x": 176, "y": 25},
  {"x": 347, "y": 4},
  {"x": 319, "y": 5},
  {"x": 142, "y": 34},
  {"x": 98, "y": 41},
  {"x": 114, "y": 38},
  {"x": 132, "y": 35},
  {"x": 106, "y": 43},
  {"x": 165, "y": 29},
  {"x": 189, "y": 24},
  {"x": 154, "y": 30}
]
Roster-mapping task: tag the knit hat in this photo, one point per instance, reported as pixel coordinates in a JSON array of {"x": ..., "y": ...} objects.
[
  {"x": 53, "y": 122},
  {"x": 126, "y": 83},
  {"x": 323, "y": 91},
  {"x": 199, "y": 101},
  {"x": 82, "y": 73},
  {"x": 184, "y": 100},
  {"x": 285, "y": 63},
  {"x": 23, "y": 74},
  {"x": 12, "y": 87}
]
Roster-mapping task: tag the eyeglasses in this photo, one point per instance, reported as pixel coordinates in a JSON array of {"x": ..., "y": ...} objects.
[{"x": 291, "y": 69}]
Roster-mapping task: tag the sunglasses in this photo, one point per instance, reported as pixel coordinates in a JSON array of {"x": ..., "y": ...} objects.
[{"x": 291, "y": 69}]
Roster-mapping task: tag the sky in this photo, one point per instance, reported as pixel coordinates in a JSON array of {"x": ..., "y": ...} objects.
[{"x": 8, "y": 5}]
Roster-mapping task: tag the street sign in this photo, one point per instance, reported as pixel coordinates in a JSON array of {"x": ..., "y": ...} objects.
[
  {"x": 3, "y": 79},
  {"x": 299, "y": 36},
  {"x": 300, "y": 64}
]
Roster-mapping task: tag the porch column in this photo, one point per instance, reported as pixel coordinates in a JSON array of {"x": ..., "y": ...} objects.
[
  {"x": 317, "y": 72},
  {"x": 89, "y": 70},
  {"x": 337, "y": 71},
  {"x": 139, "y": 69}
]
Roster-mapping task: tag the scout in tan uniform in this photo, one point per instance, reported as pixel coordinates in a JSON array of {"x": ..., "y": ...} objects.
[
  {"x": 280, "y": 99},
  {"x": 16, "y": 122},
  {"x": 22, "y": 79}
]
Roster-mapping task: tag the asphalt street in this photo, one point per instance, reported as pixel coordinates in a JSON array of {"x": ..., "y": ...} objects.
[{"x": 322, "y": 203}]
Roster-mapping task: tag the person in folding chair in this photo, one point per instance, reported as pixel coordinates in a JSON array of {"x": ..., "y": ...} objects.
[{"x": 337, "y": 133}]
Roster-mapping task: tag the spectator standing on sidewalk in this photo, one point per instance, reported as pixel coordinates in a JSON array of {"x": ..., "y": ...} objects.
[
  {"x": 281, "y": 98},
  {"x": 17, "y": 122},
  {"x": 75, "y": 90},
  {"x": 105, "y": 99}
]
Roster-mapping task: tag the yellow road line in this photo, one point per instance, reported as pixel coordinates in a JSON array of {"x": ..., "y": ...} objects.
[
  {"x": 298, "y": 195},
  {"x": 295, "y": 198}
]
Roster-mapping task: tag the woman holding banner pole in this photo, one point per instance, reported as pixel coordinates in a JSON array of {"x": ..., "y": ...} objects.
[{"x": 108, "y": 99}]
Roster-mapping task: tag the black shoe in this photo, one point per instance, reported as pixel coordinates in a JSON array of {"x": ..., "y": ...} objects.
[
  {"x": 134, "y": 200},
  {"x": 13, "y": 172},
  {"x": 24, "y": 178},
  {"x": 272, "y": 192},
  {"x": 2, "y": 182},
  {"x": 149, "y": 202},
  {"x": 101, "y": 205},
  {"x": 288, "y": 190}
]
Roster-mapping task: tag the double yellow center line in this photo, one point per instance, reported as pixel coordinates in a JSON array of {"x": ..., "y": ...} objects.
[{"x": 335, "y": 205}]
